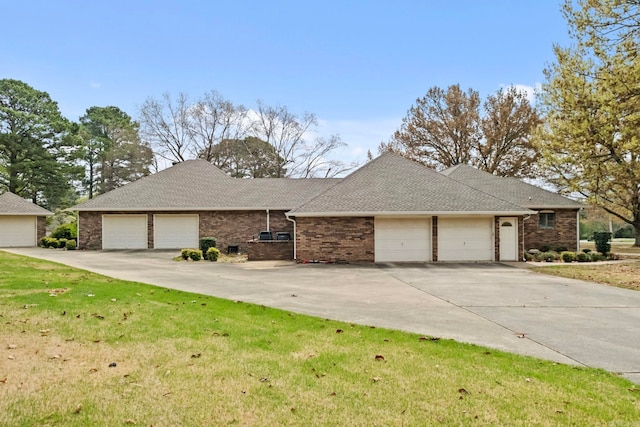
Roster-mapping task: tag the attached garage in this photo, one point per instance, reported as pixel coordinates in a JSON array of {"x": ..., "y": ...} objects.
[
  {"x": 402, "y": 239},
  {"x": 175, "y": 231},
  {"x": 124, "y": 232},
  {"x": 17, "y": 231},
  {"x": 465, "y": 239}
]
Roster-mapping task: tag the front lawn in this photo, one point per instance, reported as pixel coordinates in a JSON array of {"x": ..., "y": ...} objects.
[
  {"x": 622, "y": 275},
  {"x": 80, "y": 349}
]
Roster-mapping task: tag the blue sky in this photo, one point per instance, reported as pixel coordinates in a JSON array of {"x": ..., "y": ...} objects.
[{"x": 358, "y": 65}]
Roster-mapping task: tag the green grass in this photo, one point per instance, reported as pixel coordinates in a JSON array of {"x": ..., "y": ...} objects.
[{"x": 186, "y": 359}]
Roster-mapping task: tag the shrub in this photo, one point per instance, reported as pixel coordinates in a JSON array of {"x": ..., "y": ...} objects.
[
  {"x": 206, "y": 243},
  {"x": 49, "y": 242},
  {"x": 71, "y": 245},
  {"x": 195, "y": 254},
  {"x": 602, "y": 241},
  {"x": 212, "y": 254},
  {"x": 583, "y": 257},
  {"x": 185, "y": 254},
  {"x": 568, "y": 256},
  {"x": 62, "y": 243},
  {"x": 66, "y": 231},
  {"x": 549, "y": 256},
  {"x": 528, "y": 256},
  {"x": 545, "y": 248},
  {"x": 586, "y": 251},
  {"x": 598, "y": 257},
  {"x": 561, "y": 249}
]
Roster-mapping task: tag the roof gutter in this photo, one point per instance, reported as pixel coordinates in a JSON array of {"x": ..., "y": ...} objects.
[{"x": 409, "y": 213}]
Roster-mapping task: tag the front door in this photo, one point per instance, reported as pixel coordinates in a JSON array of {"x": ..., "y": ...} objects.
[{"x": 508, "y": 239}]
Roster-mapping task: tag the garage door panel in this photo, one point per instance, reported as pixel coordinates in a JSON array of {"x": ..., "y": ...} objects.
[
  {"x": 17, "y": 231},
  {"x": 175, "y": 231},
  {"x": 402, "y": 240},
  {"x": 465, "y": 239},
  {"x": 124, "y": 232}
]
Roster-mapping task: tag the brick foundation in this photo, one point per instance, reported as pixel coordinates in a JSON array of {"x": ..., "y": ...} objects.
[{"x": 335, "y": 239}]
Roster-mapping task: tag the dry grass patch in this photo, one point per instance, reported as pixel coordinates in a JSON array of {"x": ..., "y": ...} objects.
[
  {"x": 623, "y": 275},
  {"x": 134, "y": 354}
]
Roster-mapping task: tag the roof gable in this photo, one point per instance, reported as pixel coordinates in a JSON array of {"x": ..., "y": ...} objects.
[
  {"x": 199, "y": 185},
  {"x": 12, "y": 204},
  {"x": 392, "y": 184},
  {"x": 511, "y": 189}
]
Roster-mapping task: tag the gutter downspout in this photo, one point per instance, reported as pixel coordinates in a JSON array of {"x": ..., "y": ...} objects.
[{"x": 295, "y": 235}]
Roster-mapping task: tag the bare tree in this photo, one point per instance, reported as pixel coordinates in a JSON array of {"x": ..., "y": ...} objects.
[
  {"x": 165, "y": 125},
  {"x": 314, "y": 162}
]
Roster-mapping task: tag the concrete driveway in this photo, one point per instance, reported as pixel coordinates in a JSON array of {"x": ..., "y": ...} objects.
[{"x": 493, "y": 305}]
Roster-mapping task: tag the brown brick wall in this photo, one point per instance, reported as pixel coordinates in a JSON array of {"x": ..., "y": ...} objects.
[
  {"x": 270, "y": 250},
  {"x": 564, "y": 233},
  {"x": 434, "y": 238},
  {"x": 228, "y": 227},
  {"x": 335, "y": 239}
]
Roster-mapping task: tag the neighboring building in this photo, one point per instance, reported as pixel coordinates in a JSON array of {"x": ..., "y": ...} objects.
[
  {"x": 22, "y": 223},
  {"x": 391, "y": 209}
]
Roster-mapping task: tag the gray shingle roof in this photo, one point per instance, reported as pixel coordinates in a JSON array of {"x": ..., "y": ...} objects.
[
  {"x": 511, "y": 189},
  {"x": 392, "y": 184},
  {"x": 198, "y": 185},
  {"x": 12, "y": 204}
]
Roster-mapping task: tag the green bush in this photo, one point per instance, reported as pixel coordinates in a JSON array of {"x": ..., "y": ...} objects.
[
  {"x": 71, "y": 245},
  {"x": 602, "y": 241},
  {"x": 212, "y": 254},
  {"x": 62, "y": 243},
  {"x": 545, "y": 248},
  {"x": 49, "y": 242},
  {"x": 598, "y": 257},
  {"x": 185, "y": 254},
  {"x": 66, "y": 231},
  {"x": 586, "y": 251},
  {"x": 195, "y": 255},
  {"x": 560, "y": 249},
  {"x": 568, "y": 256},
  {"x": 206, "y": 243},
  {"x": 549, "y": 256},
  {"x": 583, "y": 257},
  {"x": 528, "y": 256}
]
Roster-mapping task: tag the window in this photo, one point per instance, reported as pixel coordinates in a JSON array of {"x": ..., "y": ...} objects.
[{"x": 547, "y": 220}]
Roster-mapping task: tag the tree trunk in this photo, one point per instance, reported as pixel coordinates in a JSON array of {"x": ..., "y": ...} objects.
[{"x": 636, "y": 227}]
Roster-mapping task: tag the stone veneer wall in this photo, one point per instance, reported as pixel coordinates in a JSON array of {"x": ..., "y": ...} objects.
[
  {"x": 41, "y": 228},
  {"x": 228, "y": 227},
  {"x": 564, "y": 233},
  {"x": 270, "y": 250},
  {"x": 335, "y": 239}
]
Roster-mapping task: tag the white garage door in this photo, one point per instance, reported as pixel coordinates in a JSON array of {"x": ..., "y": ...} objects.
[
  {"x": 465, "y": 239},
  {"x": 17, "y": 231},
  {"x": 402, "y": 240},
  {"x": 124, "y": 232},
  {"x": 175, "y": 231}
]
